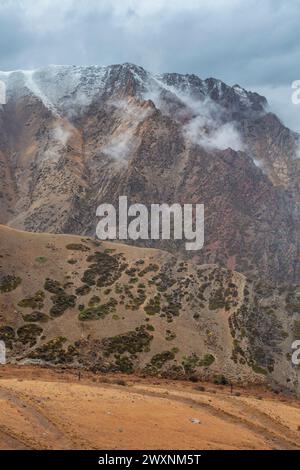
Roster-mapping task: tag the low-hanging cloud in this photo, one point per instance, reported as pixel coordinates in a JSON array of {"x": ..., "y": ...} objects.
[
  {"x": 130, "y": 114},
  {"x": 253, "y": 43},
  {"x": 61, "y": 134},
  {"x": 214, "y": 137},
  {"x": 205, "y": 120}
]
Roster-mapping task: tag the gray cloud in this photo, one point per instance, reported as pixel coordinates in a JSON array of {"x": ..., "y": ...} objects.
[{"x": 253, "y": 43}]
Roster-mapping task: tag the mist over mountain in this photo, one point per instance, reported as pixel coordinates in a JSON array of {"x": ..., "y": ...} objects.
[{"x": 73, "y": 137}]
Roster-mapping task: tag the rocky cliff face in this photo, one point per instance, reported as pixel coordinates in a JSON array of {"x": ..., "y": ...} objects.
[{"x": 74, "y": 137}]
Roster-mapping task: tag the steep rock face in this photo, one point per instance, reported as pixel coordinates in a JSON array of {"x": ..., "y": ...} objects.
[{"x": 74, "y": 137}]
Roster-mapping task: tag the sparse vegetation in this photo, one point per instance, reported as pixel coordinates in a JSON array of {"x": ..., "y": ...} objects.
[
  {"x": 170, "y": 336},
  {"x": 220, "y": 379},
  {"x": 259, "y": 370},
  {"x": 132, "y": 342},
  {"x": 41, "y": 259},
  {"x": 61, "y": 302},
  {"x": 159, "y": 360},
  {"x": 35, "y": 302},
  {"x": 77, "y": 247},
  {"x": 7, "y": 334},
  {"x": 54, "y": 352},
  {"x": 83, "y": 290},
  {"x": 29, "y": 334},
  {"x": 36, "y": 317},
  {"x": 95, "y": 312},
  {"x": 104, "y": 270},
  {"x": 53, "y": 286},
  {"x": 9, "y": 283},
  {"x": 207, "y": 360}
]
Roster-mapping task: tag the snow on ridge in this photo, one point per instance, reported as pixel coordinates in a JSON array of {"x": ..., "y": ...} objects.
[
  {"x": 70, "y": 88},
  {"x": 54, "y": 83},
  {"x": 36, "y": 91},
  {"x": 243, "y": 94}
]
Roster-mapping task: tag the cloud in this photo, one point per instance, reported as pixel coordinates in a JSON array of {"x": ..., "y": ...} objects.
[
  {"x": 206, "y": 122},
  {"x": 122, "y": 143},
  {"x": 280, "y": 101},
  {"x": 120, "y": 146},
  {"x": 206, "y": 128},
  {"x": 223, "y": 137},
  {"x": 253, "y": 43},
  {"x": 61, "y": 135}
]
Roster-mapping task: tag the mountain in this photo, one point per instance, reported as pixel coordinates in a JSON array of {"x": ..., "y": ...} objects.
[
  {"x": 74, "y": 137},
  {"x": 108, "y": 307}
]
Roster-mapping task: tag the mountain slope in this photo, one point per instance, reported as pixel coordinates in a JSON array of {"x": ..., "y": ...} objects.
[
  {"x": 111, "y": 307},
  {"x": 74, "y": 137}
]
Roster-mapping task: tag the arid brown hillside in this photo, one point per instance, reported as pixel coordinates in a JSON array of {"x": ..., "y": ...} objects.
[
  {"x": 114, "y": 308},
  {"x": 51, "y": 409},
  {"x": 74, "y": 137}
]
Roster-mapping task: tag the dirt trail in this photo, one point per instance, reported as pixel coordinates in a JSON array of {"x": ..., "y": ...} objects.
[
  {"x": 8, "y": 442},
  {"x": 47, "y": 431},
  {"x": 49, "y": 409},
  {"x": 241, "y": 414}
]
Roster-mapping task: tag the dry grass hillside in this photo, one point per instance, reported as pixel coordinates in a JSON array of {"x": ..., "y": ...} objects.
[
  {"x": 107, "y": 307},
  {"x": 45, "y": 408}
]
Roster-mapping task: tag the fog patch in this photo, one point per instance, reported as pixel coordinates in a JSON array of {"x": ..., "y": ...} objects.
[
  {"x": 120, "y": 146},
  {"x": 130, "y": 114},
  {"x": 211, "y": 136},
  {"x": 204, "y": 121},
  {"x": 61, "y": 134},
  {"x": 257, "y": 163}
]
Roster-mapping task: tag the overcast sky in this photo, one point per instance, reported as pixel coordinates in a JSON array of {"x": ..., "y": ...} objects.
[{"x": 255, "y": 43}]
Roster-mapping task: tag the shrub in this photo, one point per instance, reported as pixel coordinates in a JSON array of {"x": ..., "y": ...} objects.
[
  {"x": 170, "y": 336},
  {"x": 53, "y": 286},
  {"x": 132, "y": 342},
  {"x": 41, "y": 259},
  {"x": 54, "y": 352},
  {"x": 160, "y": 359},
  {"x": 94, "y": 300},
  {"x": 153, "y": 306},
  {"x": 207, "y": 360},
  {"x": 95, "y": 312},
  {"x": 104, "y": 270},
  {"x": 83, "y": 290},
  {"x": 220, "y": 380},
  {"x": 77, "y": 247},
  {"x": 193, "y": 378},
  {"x": 61, "y": 302},
  {"x": 217, "y": 300},
  {"x": 29, "y": 334},
  {"x": 125, "y": 365},
  {"x": 190, "y": 363},
  {"x": 37, "y": 301},
  {"x": 7, "y": 334},
  {"x": 259, "y": 370},
  {"x": 9, "y": 283},
  {"x": 36, "y": 317}
]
